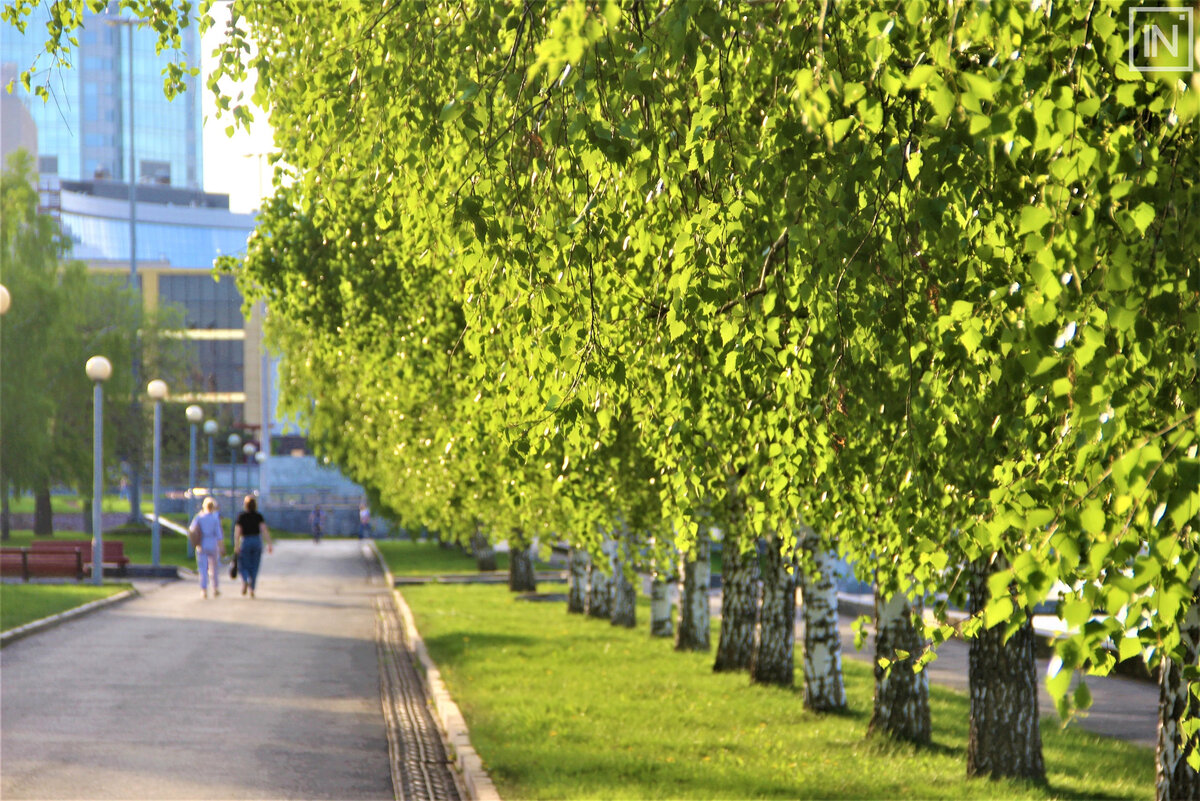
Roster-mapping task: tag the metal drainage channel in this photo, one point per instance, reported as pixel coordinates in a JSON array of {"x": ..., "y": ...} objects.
[{"x": 420, "y": 767}]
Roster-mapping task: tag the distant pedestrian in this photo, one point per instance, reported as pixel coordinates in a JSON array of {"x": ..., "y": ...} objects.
[
  {"x": 364, "y": 520},
  {"x": 317, "y": 521},
  {"x": 211, "y": 547},
  {"x": 249, "y": 533}
]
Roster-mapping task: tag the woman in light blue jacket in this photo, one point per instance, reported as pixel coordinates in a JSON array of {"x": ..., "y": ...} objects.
[{"x": 212, "y": 545}]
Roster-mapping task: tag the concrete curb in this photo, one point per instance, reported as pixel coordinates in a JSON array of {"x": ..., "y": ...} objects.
[
  {"x": 455, "y": 734},
  {"x": 20, "y": 632}
]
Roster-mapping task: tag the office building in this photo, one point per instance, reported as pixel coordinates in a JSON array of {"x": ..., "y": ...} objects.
[{"x": 84, "y": 129}]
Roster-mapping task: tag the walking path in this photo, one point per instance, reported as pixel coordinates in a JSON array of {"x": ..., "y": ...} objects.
[{"x": 170, "y": 696}]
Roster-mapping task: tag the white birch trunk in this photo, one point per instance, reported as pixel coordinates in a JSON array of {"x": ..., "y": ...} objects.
[
  {"x": 577, "y": 581},
  {"x": 661, "y": 624},
  {"x": 824, "y": 689},
  {"x": 1174, "y": 777},
  {"x": 624, "y": 596},
  {"x": 1003, "y": 738},
  {"x": 695, "y": 575},
  {"x": 901, "y": 706}
]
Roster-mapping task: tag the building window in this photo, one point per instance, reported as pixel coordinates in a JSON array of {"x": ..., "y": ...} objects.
[
  {"x": 207, "y": 304},
  {"x": 218, "y": 365}
]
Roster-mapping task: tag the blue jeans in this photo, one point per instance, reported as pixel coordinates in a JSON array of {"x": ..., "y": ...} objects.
[{"x": 250, "y": 558}]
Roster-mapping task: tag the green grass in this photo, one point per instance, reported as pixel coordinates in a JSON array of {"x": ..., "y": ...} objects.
[
  {"x": 173, "y": 547},
  {"x": 66, "y": 504},
  {"x": 567, "y": 707},
  {"x": 426, "y": 558},
  {"x": 25, "y": 603}
]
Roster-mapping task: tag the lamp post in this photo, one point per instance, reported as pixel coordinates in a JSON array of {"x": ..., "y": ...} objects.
[
  {"x": 249, "y": 449},
  {"x": 234, "y": 441},
  {"x": 210, "y": 428},
  {"x": 194, "y": 415},
  {"x": 260, "y": 457},
  {"x": 98, "y": 370},
  {"x": 157, "y": 390}
]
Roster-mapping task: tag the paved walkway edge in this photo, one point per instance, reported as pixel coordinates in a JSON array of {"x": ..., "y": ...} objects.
[
  {"x": 455, "y": 734},
  {"x": 20, "y": 632}
]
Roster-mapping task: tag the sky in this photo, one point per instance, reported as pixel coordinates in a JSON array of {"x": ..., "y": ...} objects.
[{"x": 237, "y": 165}]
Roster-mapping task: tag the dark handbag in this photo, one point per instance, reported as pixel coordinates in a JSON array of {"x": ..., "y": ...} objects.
[{"x": 233, "y": 568}]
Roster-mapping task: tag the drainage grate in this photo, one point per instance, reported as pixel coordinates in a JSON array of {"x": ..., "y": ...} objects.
[{"x": 420, "y": 767}]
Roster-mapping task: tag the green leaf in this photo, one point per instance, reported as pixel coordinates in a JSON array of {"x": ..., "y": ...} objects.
[{"x": 1142, "y": 216}]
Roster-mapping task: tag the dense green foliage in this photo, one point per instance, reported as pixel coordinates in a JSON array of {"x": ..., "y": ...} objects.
[
  {"x": 61, "y": 315},
  {"x": 919, "y": 275},
  {"x": 623, "y": 717},
  {"x": 920, "y": 278}
]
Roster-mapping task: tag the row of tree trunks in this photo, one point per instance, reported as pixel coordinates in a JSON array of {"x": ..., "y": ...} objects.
[
  {"x": 773, "y": 656},
  {"x": 901, "y": 709},
  {"x": 1174, "y": 777},
  {"x": 695, "y": 573},
  {"x": 824, "y": 689}
]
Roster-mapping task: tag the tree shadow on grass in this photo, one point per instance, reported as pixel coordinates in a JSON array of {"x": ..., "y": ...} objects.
[{"x": 450, "y": 647}]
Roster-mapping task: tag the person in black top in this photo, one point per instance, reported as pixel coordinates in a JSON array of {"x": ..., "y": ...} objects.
[{"x": 248, "y": 534}]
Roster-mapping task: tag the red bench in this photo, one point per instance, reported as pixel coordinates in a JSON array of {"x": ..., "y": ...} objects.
[
  {"x": 114, "y": 550},
  {"x": 27, "y": 563}
]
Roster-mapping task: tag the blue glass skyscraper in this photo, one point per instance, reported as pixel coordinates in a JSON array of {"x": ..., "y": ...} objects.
[{"x": 83, "y": 130}]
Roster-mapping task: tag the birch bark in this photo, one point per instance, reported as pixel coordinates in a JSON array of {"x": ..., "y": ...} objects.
[
  {"x": 824, "y": 689},
  {"x": 1174, "y": 777},
  {"x": 694, "y": 576},
  {"x": 773, "y": 658},
  {"x": 901, "y": 696}
]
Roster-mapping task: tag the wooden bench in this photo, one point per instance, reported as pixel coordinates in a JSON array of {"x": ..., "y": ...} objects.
[
  {"x": 114, "y": 550},
  {"x": 27, "y": 563}
]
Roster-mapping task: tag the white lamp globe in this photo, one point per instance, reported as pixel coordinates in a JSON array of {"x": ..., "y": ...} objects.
[
  {"x": 157, "y": 389},
  {"x": 234, "y": 440},
  {"x": 194, "y": 414},
  {"x": 249, "y": 448},
  {"x": 210, "y": 427},
  {"x": 5, "y": 299},
  {"x": 98, "y": 368}
]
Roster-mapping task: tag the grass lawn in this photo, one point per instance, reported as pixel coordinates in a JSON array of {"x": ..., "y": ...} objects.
[
  {"x": 173, "y": 547},
  {"x": 66, "y": 504},
  {"x": 568, "y": 707},
  {"x": 426, "y": 558},
  {"x": 25, "y": 603}
]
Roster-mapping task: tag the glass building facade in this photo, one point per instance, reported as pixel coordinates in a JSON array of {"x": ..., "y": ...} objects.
[
  {"x": 179, "y": 234},
  {"x": 83, "y": 130}
]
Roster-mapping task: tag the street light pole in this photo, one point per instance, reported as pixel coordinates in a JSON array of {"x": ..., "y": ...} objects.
[
  {"x": 249, "y": 450},
  {"x": 98, "y": 369},
  {"x": 194, "y": 415},
  {"x": 135, "y": 484},
  {"x": 210, "y": 428},
  {"x": 234, "y": 441},
  {"x": 157, "y": 390}
]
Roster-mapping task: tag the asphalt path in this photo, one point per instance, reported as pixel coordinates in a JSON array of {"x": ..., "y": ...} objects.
[
  {"x": 1124, "y": 708},
  {"x": 171, "y": 696}
]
